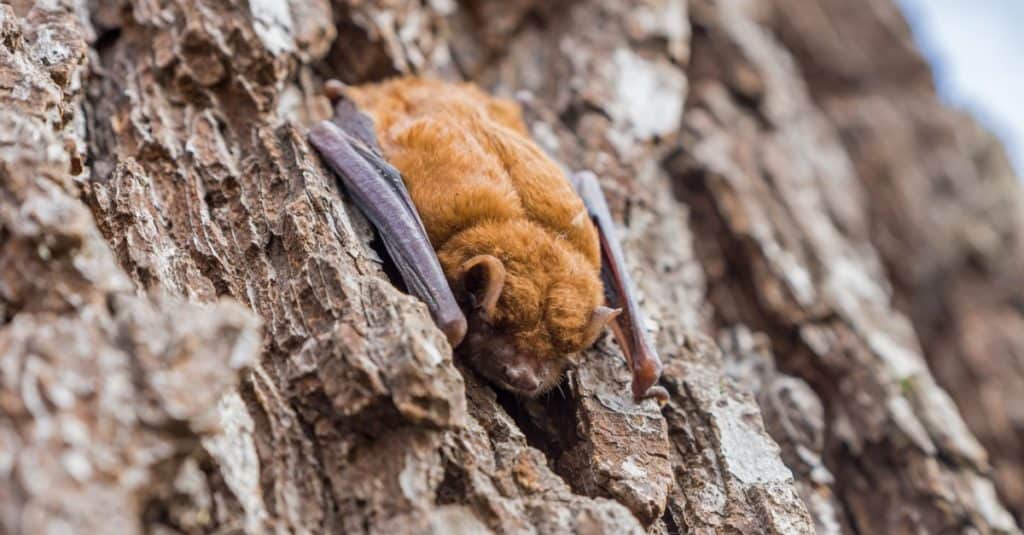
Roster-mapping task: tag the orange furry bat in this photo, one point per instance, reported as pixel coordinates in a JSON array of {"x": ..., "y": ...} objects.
[{"x": 479, "y": 219}]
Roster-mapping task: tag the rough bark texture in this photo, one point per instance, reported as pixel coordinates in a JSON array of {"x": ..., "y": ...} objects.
[
  {"x": 197, "y": 333},
  {"x": 946, "y": 214}
]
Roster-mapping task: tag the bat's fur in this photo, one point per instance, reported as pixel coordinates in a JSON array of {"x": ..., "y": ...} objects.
[{"x": 482, "y": 186}]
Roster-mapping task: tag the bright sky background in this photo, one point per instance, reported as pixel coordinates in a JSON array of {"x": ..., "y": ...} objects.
[{"x": 976, "y": 48}]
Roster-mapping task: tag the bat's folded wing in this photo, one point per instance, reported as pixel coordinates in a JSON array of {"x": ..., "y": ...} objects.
[
  {"x": 627, "y": 326},
  {"x": 378, "y": 189}
]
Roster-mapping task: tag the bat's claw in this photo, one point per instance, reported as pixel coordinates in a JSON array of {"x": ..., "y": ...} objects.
[
  {"x": 647, "y": 369},
  {"x": 658, "y": 393},
  {"x": 334, "y": 89}
]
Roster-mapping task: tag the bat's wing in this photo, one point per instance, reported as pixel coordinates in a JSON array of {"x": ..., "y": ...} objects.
[
  {"x": 349, "y": 146},
  {"x": 618, "y": 290}
]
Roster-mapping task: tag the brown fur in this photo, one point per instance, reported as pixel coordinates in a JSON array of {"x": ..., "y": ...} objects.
[{"x": 482, "y": 186}]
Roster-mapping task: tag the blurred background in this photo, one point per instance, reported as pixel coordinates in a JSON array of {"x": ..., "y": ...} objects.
[{"x": 976, "y": 50}]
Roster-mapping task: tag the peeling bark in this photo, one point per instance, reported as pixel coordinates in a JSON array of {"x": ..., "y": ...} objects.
[{"x": 199, "y": 333}]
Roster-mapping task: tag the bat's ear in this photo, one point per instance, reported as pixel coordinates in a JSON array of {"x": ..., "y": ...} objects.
[
  {"x": 484, "y": 277},
  {"x": 598, "y": 320}
]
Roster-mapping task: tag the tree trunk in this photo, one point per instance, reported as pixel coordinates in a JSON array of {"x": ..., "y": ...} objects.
[{"x": 199, "y": 335}]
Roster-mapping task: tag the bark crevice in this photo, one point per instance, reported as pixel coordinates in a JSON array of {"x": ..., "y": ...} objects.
[{"x": 198, "y": 334}]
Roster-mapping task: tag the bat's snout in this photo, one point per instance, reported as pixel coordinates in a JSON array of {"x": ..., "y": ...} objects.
[{"x": 522, "y": 378}]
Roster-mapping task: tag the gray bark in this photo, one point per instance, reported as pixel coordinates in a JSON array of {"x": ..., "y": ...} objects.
[{"x": 196, "y": 334}]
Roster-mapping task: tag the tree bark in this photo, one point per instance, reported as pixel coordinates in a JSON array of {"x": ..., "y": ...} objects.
[
  {"x": 197, "y": 333},
  {"x": 945, "y": 212}
]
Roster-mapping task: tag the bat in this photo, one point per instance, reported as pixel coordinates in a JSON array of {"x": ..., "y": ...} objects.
[{"x": 518, "y": 266}]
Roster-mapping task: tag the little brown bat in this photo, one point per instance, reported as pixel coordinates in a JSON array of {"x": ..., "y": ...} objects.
[{"x": 486, "y": 230}]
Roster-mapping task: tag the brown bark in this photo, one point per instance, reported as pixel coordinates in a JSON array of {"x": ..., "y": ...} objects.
[
  {"x": 198, "y": 335},
  {"x": 946, "y": 214}
]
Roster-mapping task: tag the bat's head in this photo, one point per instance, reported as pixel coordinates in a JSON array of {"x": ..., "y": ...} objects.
[{"x": 533, "y": 301}]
